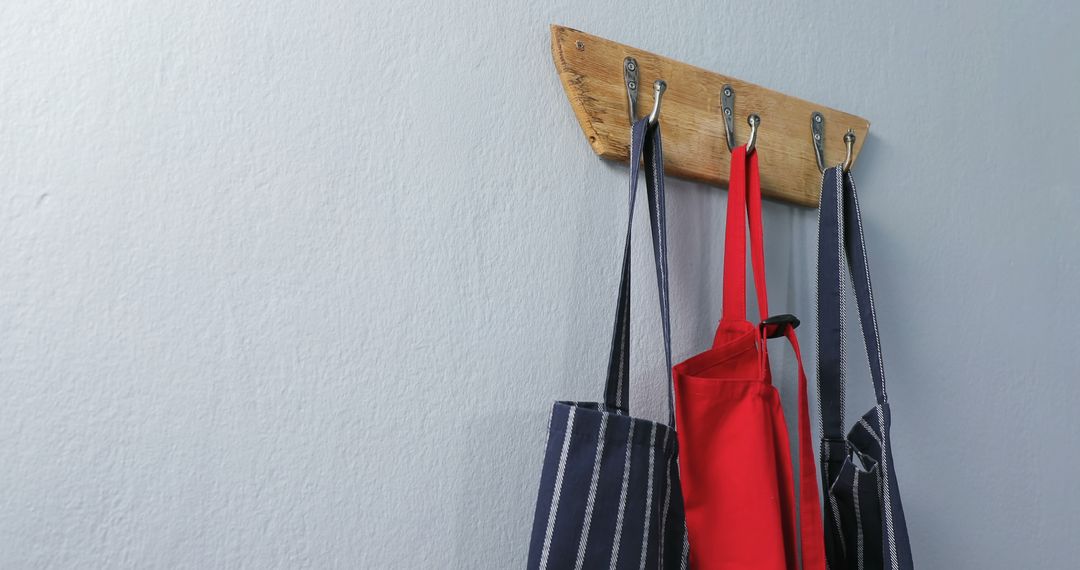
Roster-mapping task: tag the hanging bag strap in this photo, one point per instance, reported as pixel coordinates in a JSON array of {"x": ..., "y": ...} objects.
[
  {"x": 644, "y": 139},
  {"x": 841, "y": 248},
  {"x": 812, "y": 527},
  {"x": 841, "y": 243},
  {"x": 744, "y": 203}
]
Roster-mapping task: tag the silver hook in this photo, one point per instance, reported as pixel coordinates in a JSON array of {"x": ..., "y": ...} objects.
[
  {"x": 630, "y": 78},
  {"x": 753, "y": 120},
  {"x": 659, "y": 86},
  {"x": 849, "y": 141},
  {"x": 727, "y": 107},
  {"x": 817, "y": 131}
]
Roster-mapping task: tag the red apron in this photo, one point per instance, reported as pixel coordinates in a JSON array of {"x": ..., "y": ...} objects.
[{"x": 735, "y": 459}]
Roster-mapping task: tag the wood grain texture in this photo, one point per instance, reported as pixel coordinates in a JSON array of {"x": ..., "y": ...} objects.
[{"x": 592, "y": 75}]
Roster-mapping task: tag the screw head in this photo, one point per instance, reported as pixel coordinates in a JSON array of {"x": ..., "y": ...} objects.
[
  {"x": 817, "y": 136},
  {"x": 727, "y": 92},
  {"x": 727, "y": 112},
  {"x": 817, "y": 118},
  {"x": 630, "y": 65},
  {"x": 631, "y": 85}
]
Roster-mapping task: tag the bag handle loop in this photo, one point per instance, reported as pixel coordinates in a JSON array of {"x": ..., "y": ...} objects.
[{"x": 644, "y": 140}]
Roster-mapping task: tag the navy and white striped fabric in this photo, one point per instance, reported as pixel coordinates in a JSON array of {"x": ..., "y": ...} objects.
[
  {"x": 864, "y": 520},
  {"x": 609, "y": 492}
]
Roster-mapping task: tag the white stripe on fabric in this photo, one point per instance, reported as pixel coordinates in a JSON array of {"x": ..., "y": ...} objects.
[
  {"x": 685, "y": 546},
  {"x": 622, "y": 362},
  {"x": 858, "y": 524},
  {"x": 622, "y": 497},
  {"x": 591, "y": 502},
  {"x": 880, "y": 480},
  {"x": 648, "y": 499},
  {"x": 843, "y": 263},
  {"x": 833, "y": 502},
  {"x": 866, "y": 426},
  {"x": 817, "y": 316},
  {"x": 558, "y": 489},
  {"x": 667, "y": 503},
  {"x": 661, "y": 230},
  {"x": 886, "y": 494},
  {"x": 626, "y": 323}
]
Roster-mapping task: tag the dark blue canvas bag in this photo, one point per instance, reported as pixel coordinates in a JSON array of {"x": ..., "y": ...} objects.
[{"x": 609, "y": 492}]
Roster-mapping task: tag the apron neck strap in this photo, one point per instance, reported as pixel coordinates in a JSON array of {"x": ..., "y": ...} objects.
[
  {"x": 644, "y": 140},
  {"x": 744, "y": 204},
  {"x": 842, "y": 251}
]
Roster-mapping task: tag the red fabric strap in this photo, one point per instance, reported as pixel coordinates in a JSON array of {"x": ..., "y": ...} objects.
[
  {"x": 744, "y": 201},
  {"x": 813, "y": 532}
]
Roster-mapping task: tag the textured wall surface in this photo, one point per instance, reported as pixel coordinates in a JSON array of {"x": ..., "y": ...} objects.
[{"x": 292, "y": 284}]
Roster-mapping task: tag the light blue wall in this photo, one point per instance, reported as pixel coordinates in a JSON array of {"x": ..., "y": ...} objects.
[{"x": 292, "y": 285}]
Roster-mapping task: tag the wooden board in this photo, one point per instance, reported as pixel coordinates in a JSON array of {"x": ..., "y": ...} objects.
[{"x": 591, "y": 70}]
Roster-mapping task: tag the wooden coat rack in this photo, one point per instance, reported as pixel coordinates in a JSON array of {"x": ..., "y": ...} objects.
[{"x": 695, "y": 144}]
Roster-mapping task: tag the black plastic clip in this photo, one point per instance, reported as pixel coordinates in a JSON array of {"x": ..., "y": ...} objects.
[{"x": 776, "y": 326}]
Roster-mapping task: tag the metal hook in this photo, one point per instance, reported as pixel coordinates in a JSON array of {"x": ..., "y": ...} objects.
[
  {"x": 659, "y": 86},
  {"x": 817, "y": 130},
  {"x": 753, "y": 120},
  {"x": 630, "y": 78},
  {"x": 849, "y": 141},
  {"x": 727, "y": 107}
]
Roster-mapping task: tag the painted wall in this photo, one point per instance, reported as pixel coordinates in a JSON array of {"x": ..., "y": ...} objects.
[{"x": 292, "y": 285}]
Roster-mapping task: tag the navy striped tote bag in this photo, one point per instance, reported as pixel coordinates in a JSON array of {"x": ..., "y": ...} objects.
[
  {"x": 609, "y": 492},
  {"x": 864, "y": 520}
]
